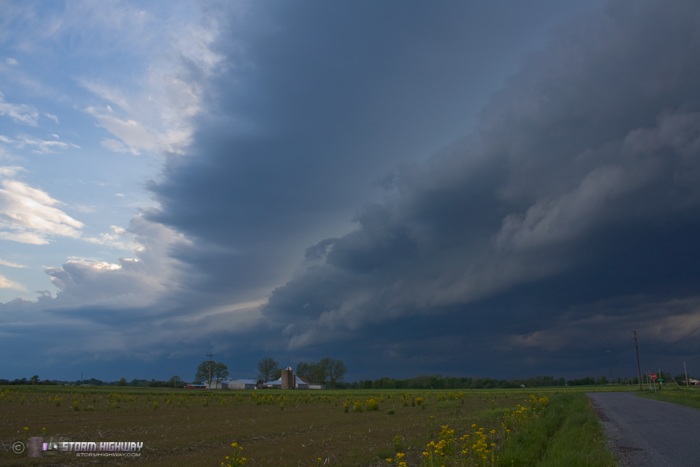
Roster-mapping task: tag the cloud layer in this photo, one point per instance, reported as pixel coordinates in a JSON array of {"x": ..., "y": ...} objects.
[
  {"x": 29, "y": 215},
  {"x": 331, "y": 188},
  {"x": 581, "y": 185}
]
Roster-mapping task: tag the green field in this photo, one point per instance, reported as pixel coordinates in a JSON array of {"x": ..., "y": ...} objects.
[
  {"x": 275, "y": 427},
  {"x": 689, "y": 396}
]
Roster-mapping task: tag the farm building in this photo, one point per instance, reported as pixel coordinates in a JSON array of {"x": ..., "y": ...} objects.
[
  {"x": 298, "y": 383},
  {"x": 288, "y": 380},
  {"x": 243, "y": 384}
]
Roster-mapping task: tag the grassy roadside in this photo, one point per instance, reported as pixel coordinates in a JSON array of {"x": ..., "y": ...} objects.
[
  {"x": 567, "y": 433},
  {"x": 678, "y": 395}
]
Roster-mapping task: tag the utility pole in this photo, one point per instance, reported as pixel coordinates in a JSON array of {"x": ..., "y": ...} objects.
[
  {"x": 210, "y": 355},
  {"x": 639, "y": 368}
]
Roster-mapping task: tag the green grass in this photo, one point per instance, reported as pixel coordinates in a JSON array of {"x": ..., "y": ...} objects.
[
  {"x": 678, "y": 395},
  {"x": 567, "y": 433}
]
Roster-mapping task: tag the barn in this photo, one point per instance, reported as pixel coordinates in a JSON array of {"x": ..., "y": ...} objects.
[
  {"x": 298, "y": 383},
  {"x": 242, "y": 384}
]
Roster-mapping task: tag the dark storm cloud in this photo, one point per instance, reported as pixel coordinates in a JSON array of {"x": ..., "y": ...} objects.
[
  {"x": 318, "y": 101},
  {"x": 580, "y": 187},
  {"x": 566, "y": 217}
]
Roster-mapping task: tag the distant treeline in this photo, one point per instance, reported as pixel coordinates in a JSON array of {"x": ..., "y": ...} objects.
[
  {"x": 140, "y": 383},
  {"x": 447, "y": 382},
  {"x": 418, "y": 382}
]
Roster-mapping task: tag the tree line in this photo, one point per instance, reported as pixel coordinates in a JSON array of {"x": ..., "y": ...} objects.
[
  {"x": 174, "y": 382},
  {"x": 330, "y": 373},
  {"x": 448, "y": 382},
  {"x": 327, "y": 372}
]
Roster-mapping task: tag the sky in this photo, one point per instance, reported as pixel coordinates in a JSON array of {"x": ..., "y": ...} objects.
[{"x": 490, "y": 189}]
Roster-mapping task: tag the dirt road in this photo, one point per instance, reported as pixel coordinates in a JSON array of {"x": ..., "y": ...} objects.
[{"x": 648, "y": 433}]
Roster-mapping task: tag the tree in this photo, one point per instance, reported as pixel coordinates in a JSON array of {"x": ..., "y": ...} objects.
[
  {"x": 319, "y": 371},
  {"x": 336, "y": 372},
  {"x": 267, "y": 367},
  {"x": 204, "y": 372},
  {"x": 209, "y": 371},
  {"x": 122, "y": 382},
  {"x": 34, "y": 379},
  {"x": 304, "y": 371},
  {"x": 220, "y": 372},
  {"x": 175, "y": 381},
  {"x": 327, "y": 370}
]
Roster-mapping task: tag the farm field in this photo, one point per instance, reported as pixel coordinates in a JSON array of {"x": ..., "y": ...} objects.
[{"x": 273, "y": 427}]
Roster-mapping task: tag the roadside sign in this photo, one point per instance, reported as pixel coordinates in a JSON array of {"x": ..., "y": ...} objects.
[{"x": 653, "y": 376}]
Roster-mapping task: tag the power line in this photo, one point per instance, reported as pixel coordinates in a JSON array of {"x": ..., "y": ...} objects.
[
  {"x": 639, "y": 368},
  {"x": 210, "y": 355},
  {"x": 678, "y": 340}
]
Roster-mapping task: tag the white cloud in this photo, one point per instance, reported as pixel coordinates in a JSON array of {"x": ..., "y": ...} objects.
[
  {"x": 169, "y": 50},
  {"x": 95, "y": 264},
  {"x": 29, "y": 215},
  {"x": 43, "y": 146},
  {"x": 134, "y": 137},
  {"x": 51, "y": 117},
  {"x": 137, "y": 129},
  {"x": 118, "y": 238},
  {"x": 20, "y": 113},
  {"x": 132, "y": 282},
  {"x": 39, "y": 146},
  {"x": 10, "y": 264},
  {"x": 10, "y": 171},
  {"x": 115, "y": 145},
  {"x": 6, "y": 283},
  {"x": 154, "y": 111},
  {"x": 31, "y": 238},
  {"x": 107, "y": 93}
]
